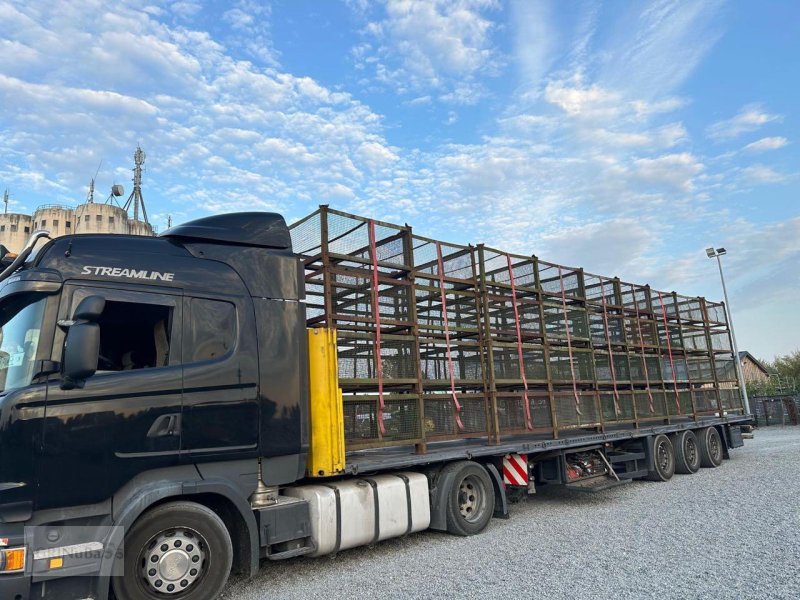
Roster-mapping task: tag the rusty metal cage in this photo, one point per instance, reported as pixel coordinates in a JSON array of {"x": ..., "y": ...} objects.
[{"x": 440, "y": 341}]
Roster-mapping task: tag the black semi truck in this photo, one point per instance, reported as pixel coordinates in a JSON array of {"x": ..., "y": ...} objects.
[{"x": 168, "y": 416}]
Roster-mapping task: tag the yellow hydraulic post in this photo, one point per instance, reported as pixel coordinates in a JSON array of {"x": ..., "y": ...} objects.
[{"x": 326, "y": 453}]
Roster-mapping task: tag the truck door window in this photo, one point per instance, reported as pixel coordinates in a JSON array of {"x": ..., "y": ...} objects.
[
  {"x": 20, "y": 324},
  {"x": 134, "y": 336},
  {"x": 212, "y": 329}
]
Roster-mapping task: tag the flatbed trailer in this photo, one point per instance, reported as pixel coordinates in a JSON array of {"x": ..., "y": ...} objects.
[{"x": 178, "y": 408}]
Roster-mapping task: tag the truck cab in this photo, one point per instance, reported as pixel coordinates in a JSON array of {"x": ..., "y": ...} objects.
[{"x": 128, "y": 360}]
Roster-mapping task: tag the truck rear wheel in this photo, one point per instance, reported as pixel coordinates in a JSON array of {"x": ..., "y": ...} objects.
[
  {"x": 687, "y": 452},
  {"x": 710, "y": 447},
  {"x": 178, "y": 551},
  {"x": 663, "y": 459},
  {"x": 470, "y": 499}
]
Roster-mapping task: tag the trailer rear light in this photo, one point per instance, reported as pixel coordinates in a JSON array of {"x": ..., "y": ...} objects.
[{"x": 12, "y": 560}]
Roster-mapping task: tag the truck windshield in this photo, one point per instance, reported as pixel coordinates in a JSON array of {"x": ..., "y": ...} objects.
[{"x": 20, "y": 325}]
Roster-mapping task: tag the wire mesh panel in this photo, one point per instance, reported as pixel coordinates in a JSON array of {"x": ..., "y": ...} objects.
[
  {"x": 557, "y": 281},
  {"x": 690, "y": 310},
  {"x": 578, "y": 366},
  {"x": 442, "y": 419},
  {"x": 506, "y": 364},
  {"x": 617, "y": 407},
  {"x": 458, "y": 362},
  {"x": 511, "y": 414},
  {"x": 715, "y": 312},
  {"x": 650, "y": 404},
  {"x": 705, "y": 400},
  {"x": 358, "y": 360},
  {"x": 725, "y": 367},
  {"x": 731, "y": 398},
  {"x": 400, "y": 419},
  {"x": 576, "y": 411}
]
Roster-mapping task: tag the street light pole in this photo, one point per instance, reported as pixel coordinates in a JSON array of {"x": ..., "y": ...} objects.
[{"x": 712, "y": 253}]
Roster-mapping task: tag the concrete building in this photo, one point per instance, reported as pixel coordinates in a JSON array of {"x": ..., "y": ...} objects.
[
  {"x": 89, "y": 217},
  {"x": 15, "y": 228}
]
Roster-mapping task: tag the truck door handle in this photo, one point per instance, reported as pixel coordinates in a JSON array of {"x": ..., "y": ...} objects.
[{"x": 165, "y": 425}]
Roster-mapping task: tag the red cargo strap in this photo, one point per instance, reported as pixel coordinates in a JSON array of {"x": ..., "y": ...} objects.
[
  {"x": 447, "y": 337},
  {"x": 641, "y": 346},
  {"x": 669, "y": 350},
  {"x": 610, "y": 353},
  {"x": 569, "y": 343},
  {"x": 376, "y": 313},
  {"x": 528, "y": 423}
]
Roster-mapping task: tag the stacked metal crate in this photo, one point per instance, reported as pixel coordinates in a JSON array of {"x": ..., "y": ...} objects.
[
  {"x": 452, "y": 369},
  {"x": 518, "y": 378},
  {"x": 568, "y": 340},
  {"x": 359, "y": 281},
  {"x": 721, "y": 351},
  {"x": 644, "y": 352},
  {"x": 440, "y": 341}
]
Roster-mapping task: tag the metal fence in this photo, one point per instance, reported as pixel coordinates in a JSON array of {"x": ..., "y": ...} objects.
[
  {"x": 441, "y": 341},
  {"x": 775, "y": 410}
]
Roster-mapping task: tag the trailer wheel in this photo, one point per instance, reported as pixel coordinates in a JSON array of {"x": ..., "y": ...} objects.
[
  {"x": 176, "y": 551},
  {"x": 710, "y": 447},
  {"x": 687, "y": 452},
  {"x": 470, "y": 499},
  {"x": 663, "y": 459}
]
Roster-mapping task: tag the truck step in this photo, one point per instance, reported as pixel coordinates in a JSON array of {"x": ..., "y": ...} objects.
[
  {"x": 596, "y": 484},
  {"x": 308, "y": 548}
]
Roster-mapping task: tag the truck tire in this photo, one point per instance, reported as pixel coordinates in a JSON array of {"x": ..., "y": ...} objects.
[
  {"x": 470, "y": 499},
  {"x": 710, "y": 447},
  {"x": 177, "y": 551},
  {"x": 687, "y": 452},
  {"x": 663, "y": 459}
]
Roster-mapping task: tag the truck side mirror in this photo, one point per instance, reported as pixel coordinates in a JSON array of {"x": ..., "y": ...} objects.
[
  {"x": 82, "y": 343},
  {"x": 90, "y": 308}
]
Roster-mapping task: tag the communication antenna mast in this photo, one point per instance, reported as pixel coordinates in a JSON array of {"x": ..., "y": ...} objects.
[
  {"x": 169, "y": 221},
  {"x": 5, "y": 201},
  {"x": 90, "y": 195},
  {"x": 136, "y": 195}
]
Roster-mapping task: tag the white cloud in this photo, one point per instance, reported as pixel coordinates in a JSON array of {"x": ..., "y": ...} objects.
[
  {"x": 750, "y": 118},
  {"x": 672, "y": 170},
  {"x": 243, "y": 135},
  {"x": 591, "y": 101},
  {"x": 767, "y": 143},
  {"x": 757, "y": 174},
  {"x": 431, "y": 45}
]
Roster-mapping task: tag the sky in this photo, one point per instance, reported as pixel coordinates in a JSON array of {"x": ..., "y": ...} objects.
[{"x": 623, "y": 137}]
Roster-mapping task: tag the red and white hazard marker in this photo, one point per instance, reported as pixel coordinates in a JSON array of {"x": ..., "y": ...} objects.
[{"x": 515, "y": 469}]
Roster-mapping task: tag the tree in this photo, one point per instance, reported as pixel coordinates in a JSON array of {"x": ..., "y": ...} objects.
[
  {"x": 788, "y": 365},
  {"x": 784, "y": 377}
]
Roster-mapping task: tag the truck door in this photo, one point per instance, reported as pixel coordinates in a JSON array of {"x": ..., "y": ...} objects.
[
  {"x": 127, "y": 417},
  {"x": 220, "y": 402}
]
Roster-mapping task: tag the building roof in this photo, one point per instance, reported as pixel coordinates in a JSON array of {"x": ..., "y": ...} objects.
[{"x": 745, "y": 354}]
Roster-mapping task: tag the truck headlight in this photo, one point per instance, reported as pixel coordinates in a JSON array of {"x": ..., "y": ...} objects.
[{"x": 12, "y": 560}]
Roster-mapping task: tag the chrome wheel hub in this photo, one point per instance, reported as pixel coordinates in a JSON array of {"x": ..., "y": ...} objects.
[{"x": 173, "y": 560}]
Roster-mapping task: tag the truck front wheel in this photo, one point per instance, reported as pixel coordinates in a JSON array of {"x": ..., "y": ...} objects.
[
  {"x": 179, "y": 551},
  {"x": 470, "y": 499}
]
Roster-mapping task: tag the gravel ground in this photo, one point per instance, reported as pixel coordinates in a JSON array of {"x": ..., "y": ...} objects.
[{"x": 731, "y": 532}]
